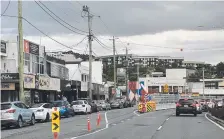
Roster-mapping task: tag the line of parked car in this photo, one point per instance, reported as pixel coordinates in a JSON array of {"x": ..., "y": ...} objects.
[{"x": 18, "y": 114}]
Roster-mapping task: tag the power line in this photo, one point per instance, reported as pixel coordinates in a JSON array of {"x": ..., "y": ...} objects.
[
  {"x": 79, "y": 42},
  {"x": 62, "y": 19},
  {"x": 43, "y": 32},
  {"x": 6, "y": 8},
  {"x": 102, "y": 44},
  {"x": 56, "y": 19}
]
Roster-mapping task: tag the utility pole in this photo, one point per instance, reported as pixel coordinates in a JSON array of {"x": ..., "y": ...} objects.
[
  {"x": 127, "y": 62},
  {"x": 20, "y": 39},
  {"x": 203, "y": 74},
  {"x": 86, "y": 9},
  {"x": 115, "y": 76}
]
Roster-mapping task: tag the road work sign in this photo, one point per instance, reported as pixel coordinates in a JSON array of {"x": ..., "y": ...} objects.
[{"x": 55, "y": 120}]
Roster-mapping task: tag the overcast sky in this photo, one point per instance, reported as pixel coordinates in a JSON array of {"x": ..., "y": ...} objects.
[{"x": 163, "y": 27}]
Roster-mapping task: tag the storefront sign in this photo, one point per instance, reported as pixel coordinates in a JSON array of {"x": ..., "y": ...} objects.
[
  {"x": 44, "y": 83},
  {"x": 7, "y": 86},
  {"x": 34, "y": 48},
  {"x": 30, "y": 47},
  {"x": 29, "y": 81},
  {"x": 47, "y": 83},
  {"x": 3, "y": 47},
  {"x": 9, "y": 76}
]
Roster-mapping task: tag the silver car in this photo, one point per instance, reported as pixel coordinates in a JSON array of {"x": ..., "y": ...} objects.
[
  {"x": 102, "y": 105},
  {"x": 16, "y": 113}
]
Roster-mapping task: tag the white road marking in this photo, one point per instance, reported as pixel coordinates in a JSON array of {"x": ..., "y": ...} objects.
[
  {"x": 128, "y": 119},
  {"x": 107, "y": 123},
  {"x": 136, "y": 113},
  {"x": 167, "y": 119},
  {"x": 214, "y": 122},
  {"x": 159, "y": 128},
  {"x": 122, "y": 121}
]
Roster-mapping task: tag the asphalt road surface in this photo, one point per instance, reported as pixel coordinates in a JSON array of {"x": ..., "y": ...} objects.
[{"x": 124, "y": 124}]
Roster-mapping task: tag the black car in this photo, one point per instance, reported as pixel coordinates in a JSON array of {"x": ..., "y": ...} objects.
[
  {"x": 93, "y": 105},
  {"x": 186, "y": 106}
]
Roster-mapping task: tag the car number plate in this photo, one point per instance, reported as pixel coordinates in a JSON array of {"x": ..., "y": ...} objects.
[{"x": 186, "y": 106}]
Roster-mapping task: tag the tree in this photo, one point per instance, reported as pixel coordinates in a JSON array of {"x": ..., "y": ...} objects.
[{"x": 220, "y": 69}]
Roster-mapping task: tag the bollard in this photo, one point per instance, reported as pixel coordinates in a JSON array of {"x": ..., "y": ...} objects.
[
  {"x": 98, "y": 119},
  {"x": 88, "y": 124}
]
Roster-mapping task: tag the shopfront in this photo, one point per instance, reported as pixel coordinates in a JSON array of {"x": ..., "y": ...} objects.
[
  {"x": 47, "y": 89},
  {"x": 29, "y": 88},
  {"x": 9, "y": 87},
  {"x": 71, "y": 89}
]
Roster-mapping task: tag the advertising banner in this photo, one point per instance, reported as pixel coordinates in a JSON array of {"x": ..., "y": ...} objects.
[
  {"x": 29, "y": 81},
  {"x": 7, "y": 86},
  {"x": 55, "y": 84},
  {"x": 31, "y": 48},
  {"x": 44, "y": 83}
]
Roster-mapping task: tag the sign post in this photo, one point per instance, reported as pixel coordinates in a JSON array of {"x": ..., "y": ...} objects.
[{"x": 55, "y": 122}]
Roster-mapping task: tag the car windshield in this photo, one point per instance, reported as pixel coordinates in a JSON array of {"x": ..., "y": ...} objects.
[
  {"x": 57, "y": 103},
  {"x": 77, "y": 102},
  {"x": 6, "y": 106},
  {"x": 37, "y": 105}
]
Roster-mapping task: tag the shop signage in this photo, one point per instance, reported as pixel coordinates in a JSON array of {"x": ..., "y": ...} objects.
[
  {"x": 3, "y": 47},
  {"x": 29, "y": 81},
  {"x": 30, "y": 47},
  {"x": 7, "y": 86},
  {"x": 9, "y": 76},
  {"x": 44, "y": 83}
]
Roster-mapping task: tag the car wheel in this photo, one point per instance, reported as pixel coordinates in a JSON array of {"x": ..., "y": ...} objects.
[
  {"x": 177, "y": 114},
  {"x": 19, "y": 122},
  {"x": 32, "y": 122},
  {"x": 195, "y": 114},
  {"x": 47, "y": 118},
  {"x": 73, "y": 113},
  {"x": 66, "y": 114}
]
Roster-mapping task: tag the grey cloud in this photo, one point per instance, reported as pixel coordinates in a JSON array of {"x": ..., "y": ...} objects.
[{"x": 122, "y": 18}]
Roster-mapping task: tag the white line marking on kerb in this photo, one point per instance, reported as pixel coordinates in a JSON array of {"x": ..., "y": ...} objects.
[
  {"x": 159, "y": 128},
  {"x": 107, "y": 123},
  {"x": 167, "y": 119},
  {"x": 136, "y": 113},
  {"x": 214, "y": 122}
]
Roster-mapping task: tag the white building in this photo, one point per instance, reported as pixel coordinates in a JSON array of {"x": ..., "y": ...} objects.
[{"x": 175, "y": 79}]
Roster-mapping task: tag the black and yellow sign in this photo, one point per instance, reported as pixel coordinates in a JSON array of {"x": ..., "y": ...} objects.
[
  {"x": 55, "y": 121},
  {"x": 166, "y": 88}
]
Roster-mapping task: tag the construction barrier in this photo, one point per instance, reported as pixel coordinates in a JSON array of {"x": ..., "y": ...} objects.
[{"x": 149, "y": 106}]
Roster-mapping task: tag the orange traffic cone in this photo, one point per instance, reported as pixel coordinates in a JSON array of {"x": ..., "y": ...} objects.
[
  {"x": 98, "y": 119},
  {"x": 88, "y": 125}
]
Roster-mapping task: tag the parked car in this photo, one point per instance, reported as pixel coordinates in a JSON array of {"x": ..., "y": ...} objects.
[
  {"x": 186, "y": 106},
  {"x": 103, "y": 105},
  {"x": 91, "y": 103},
  {"x": 117, "y": 104},
  {"x": 81, "y": 106},
  {"x": 198, "y": 106},
  {"x": 64, "y": 107},
  {"x": 42, "y": 111},
  {"x": 16, "y": 113}
]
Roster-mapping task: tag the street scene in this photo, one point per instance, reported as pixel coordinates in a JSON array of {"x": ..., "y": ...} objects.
[{"x": 112, "y": 70}]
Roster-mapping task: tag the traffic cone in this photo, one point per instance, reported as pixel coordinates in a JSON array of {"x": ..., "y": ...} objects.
[
  {"x": 98, "y": 119},
  {"x": 88, "y": 125}
]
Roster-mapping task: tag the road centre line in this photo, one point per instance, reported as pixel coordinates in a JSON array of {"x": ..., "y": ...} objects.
[
  {"x": 159, "y": 128},
  {"x": 213, "y": 122}
]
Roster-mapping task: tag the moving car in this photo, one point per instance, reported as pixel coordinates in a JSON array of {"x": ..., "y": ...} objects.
[
  {"x": 42, "y": 111},
  {"x": 91, "y": 103},
  {"x": 16, "y": 113},
  {"x": 81, "y": 106},
  {"x": 102, "y": 105},
  {"x": 64, "y": 108},
  {"x": 117, "y": 104},
  {"x": 186, "y": 106}
]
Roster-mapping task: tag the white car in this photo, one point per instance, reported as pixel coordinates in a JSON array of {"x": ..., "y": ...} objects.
[
  {"x": 42, "y": 111},
  {"x": 81, "y": 106}
]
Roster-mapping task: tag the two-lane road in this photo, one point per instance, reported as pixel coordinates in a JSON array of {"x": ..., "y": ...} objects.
[{"x": 125, "y": 124}]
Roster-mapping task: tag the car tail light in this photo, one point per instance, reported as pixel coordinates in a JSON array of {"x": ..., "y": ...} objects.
[
  {"x": 178, "y": 105},
  {"x": 11, "y": 111},
  {"x": 40, "y": 110},
  {"x": 83, "y": 105}
]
